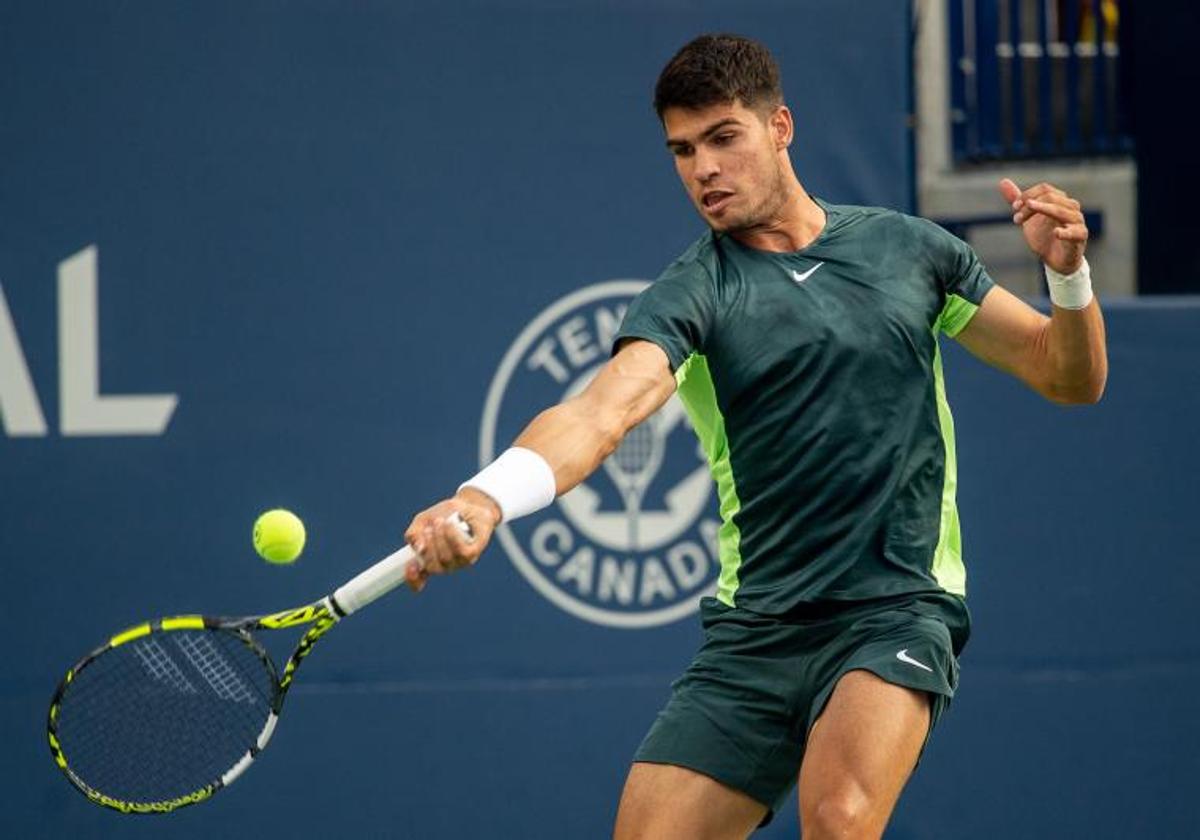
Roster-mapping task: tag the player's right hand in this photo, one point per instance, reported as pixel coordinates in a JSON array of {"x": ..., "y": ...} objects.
[{"x": 441, "y": 544}]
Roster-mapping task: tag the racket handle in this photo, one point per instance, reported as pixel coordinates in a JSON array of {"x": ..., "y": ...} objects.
[{"x": 383, "y": 577}]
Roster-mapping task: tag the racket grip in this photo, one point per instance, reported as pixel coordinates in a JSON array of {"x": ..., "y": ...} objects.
[{"x": 383, "y": 577}]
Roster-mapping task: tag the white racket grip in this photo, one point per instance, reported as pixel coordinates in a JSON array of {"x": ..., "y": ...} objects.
[
  {"x": 374, "y": 582},
  {"x": 381, "y": 578}
]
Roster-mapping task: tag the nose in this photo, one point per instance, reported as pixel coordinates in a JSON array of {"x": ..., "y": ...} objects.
[{"x": 705, "y": 166}]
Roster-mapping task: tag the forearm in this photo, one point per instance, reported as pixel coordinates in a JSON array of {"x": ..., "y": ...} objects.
[
  {"x": 556, "y": 451},
  {"x": 568, "y": 442},
  {"x": 565, "y": 444},
  {"x": 573, "y": 438},
  {"x": 1074, "y": 354},
  {"x": 1062, "y": 357}
]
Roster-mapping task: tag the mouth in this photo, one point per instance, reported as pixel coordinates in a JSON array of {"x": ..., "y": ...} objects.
[{"x": 715, "y": 200}]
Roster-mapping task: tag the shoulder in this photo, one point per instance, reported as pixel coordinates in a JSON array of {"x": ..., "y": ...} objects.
[
  {"x": 855, "y": 215},
  {"x": 676, "y": 310},
  {"x": 882, "y": 219},
  {"x": 900, "y": 234},
  {"x": 848, "y": 216},
  {"x": 691, "y": 275},
  {"x": 700, "y": 262},
  {"x": 925, "y": 234},
  {"x": 929, "y": 231}
]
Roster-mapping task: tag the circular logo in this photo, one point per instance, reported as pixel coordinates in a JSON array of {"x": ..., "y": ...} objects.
[{"x": 633, "y": 545}]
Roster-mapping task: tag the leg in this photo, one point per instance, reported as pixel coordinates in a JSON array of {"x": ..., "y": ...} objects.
[
  {"x": 666, "y": 802},
  {"x": 860, "y": 753}
]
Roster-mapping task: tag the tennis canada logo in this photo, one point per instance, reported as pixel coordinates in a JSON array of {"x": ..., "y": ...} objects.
[{"x": 635, "y": 544}]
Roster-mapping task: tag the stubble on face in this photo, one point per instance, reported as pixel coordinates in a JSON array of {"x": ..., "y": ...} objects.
[{"x": 768, "y": 210}]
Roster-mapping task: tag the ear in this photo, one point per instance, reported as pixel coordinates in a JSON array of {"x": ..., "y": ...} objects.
[{"x": 781, "y": 126}]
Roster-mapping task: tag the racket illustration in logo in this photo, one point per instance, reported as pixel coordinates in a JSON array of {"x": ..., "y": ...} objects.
[
  {"x": 634, "y": 465},
  {"x": 634, "y": 545}
]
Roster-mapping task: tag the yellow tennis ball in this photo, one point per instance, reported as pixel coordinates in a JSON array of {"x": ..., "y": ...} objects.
[{"x": 278, "y": 536}]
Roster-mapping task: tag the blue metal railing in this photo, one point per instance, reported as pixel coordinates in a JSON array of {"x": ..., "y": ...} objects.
[{"x": 1036, "y": 79}]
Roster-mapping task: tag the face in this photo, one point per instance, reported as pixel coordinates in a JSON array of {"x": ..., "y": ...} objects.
[{"x": 731, "y": 161}]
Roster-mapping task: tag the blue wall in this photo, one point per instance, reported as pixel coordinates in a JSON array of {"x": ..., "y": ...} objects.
[{"x": 324, "y": 232}]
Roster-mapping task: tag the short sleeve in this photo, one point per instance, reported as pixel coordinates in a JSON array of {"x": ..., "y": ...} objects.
[
  {"x": 675, "y": 312},
  {"x": 962, "y": 278}
]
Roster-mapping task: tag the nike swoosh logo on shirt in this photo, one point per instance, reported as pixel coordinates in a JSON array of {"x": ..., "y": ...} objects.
[
  {"x": 904, "y": 657},
  {"x": 800, "y": 278}
]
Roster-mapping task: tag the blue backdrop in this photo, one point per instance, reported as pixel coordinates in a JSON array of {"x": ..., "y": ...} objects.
[{"x": 324, "y": 231}]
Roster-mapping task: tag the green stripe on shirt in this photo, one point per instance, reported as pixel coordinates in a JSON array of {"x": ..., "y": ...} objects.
[
  {"x": 956, "y": 314},
  {"x": 699, "y": 397}
]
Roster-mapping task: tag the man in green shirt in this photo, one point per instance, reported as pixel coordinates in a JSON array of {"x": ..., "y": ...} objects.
[{"x": 802, "y": 337}]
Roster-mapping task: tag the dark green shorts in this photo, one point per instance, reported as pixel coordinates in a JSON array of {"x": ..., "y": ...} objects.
[{"x": 742, "y": 711}]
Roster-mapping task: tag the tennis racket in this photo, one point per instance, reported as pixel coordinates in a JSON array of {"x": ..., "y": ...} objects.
[{"x": 169, "y": 712}]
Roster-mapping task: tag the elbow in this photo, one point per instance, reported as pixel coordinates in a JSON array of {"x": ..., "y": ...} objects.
[
  {"x": 1084, "y": 392},
  {"x": 1095, "y": 391},
  {"x": 1080, "y": 382},
  {"x": 1081, "y": 397}
]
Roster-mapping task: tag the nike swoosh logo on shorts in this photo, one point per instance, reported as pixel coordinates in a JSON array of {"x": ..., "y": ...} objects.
[
  {"x": 904, "y": 657},
  {"x": 800, "y": 278}
]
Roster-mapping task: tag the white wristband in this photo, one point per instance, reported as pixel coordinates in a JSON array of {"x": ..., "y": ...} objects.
[
  {"x": 1070, "y": 291},
  {"x": 519, "y": 481}
]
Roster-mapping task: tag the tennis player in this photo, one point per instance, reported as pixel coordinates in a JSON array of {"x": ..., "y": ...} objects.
[{"x": 802, "y": 337}]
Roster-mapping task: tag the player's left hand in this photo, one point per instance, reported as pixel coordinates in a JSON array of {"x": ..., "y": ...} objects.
[{"x": 1052, "y": 223}]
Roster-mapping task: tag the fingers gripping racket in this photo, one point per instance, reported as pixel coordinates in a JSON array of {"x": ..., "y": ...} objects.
[{"x": 167, "y": 713}]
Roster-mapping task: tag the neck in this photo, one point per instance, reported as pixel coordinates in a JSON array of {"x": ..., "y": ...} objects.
[{"x": 794, "y": 224}]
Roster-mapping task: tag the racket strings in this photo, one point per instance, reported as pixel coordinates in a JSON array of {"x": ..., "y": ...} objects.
[
  {"x": 218, "y": 673},
  {"x": 161, "y": 667},
  {"x": 163, "y": 716}
]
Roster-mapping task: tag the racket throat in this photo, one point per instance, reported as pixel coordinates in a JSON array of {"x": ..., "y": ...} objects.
[{"x": 335, "y": 609}]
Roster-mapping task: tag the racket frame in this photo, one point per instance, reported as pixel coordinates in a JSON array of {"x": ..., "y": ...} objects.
[
  {"x": 367, "y": 586},
  {"x": 322, "y": 615}
]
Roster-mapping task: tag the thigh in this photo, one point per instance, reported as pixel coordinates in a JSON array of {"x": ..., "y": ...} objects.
[
  {"x": 663, "y": 802},
  {"x": 739, "y": 712},
  {"x": 860, "y": 753},
  {"x": 890, "y": 673}
]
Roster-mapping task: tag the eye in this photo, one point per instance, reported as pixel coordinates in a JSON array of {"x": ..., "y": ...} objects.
[
  {"x": 681, "y": 151},
  {"x": 724, "y": 138}
]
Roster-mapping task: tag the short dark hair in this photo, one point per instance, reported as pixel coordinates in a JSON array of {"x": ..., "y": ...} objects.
[{"x": 713, "y": 69}]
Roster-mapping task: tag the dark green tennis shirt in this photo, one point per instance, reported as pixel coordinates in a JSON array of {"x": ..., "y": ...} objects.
[{"x": 814, "y": 382}]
